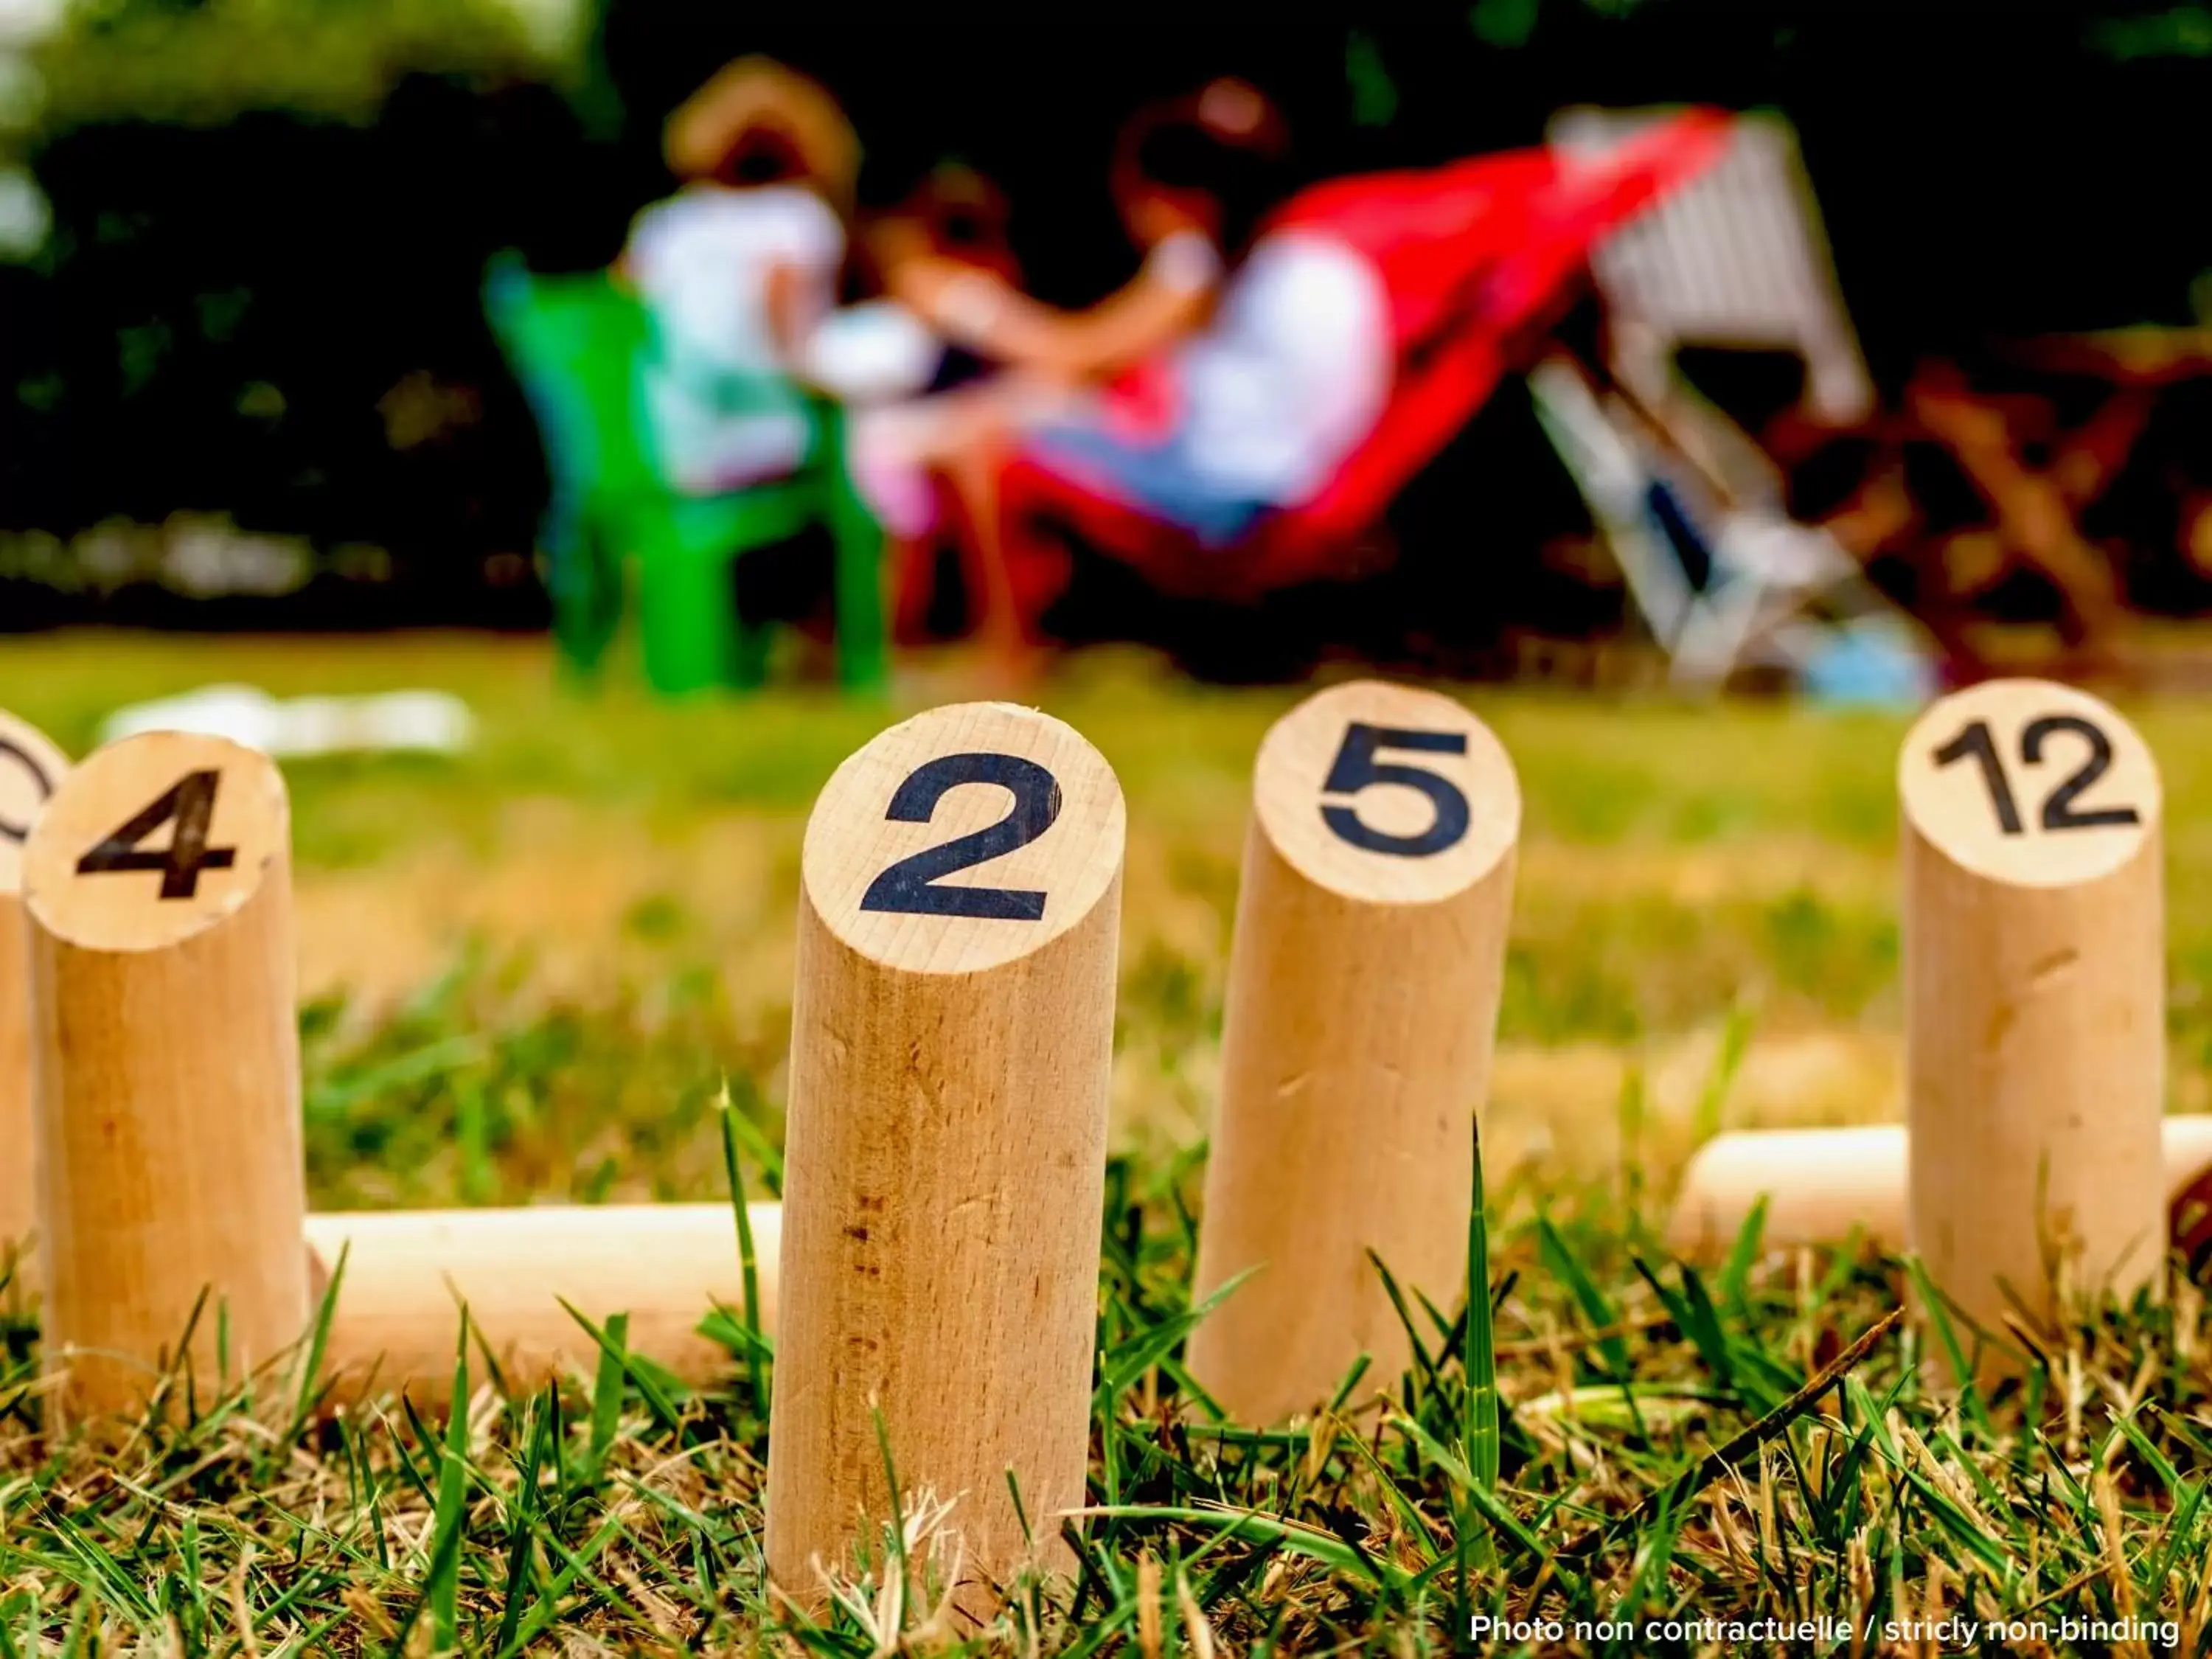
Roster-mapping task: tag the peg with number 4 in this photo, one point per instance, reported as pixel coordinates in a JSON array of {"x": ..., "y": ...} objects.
[
  {"x": 2034, "y": 973},
  {"x": 165, "y": 1058},
  {"x": 1364, "y": 985}
]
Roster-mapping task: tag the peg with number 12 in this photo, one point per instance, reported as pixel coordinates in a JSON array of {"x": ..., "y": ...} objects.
[
  {"x": 2035, "y": 995},
  {"x": 952, "y": 1032},
  {"x": 1364, "y": 985}
]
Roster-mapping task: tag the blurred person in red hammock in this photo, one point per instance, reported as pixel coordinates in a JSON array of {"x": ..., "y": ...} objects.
[
  {"x": 1282, "y": 364},
  {"x": 1273, "y": 385}
]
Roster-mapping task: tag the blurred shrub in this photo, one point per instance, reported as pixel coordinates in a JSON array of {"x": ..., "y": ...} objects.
[
  {"x": 259, "y": 298},
  {"x": 200, "y": 62}
]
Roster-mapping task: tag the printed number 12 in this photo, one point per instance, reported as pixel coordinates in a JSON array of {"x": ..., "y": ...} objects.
[{"x": 1976, "y": 742}]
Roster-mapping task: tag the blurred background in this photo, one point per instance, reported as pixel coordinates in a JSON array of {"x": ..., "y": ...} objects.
[{"x": 247, "y": 380}]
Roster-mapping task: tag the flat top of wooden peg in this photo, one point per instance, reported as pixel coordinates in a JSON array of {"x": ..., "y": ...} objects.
[
  {"x": 2029, "y": 782},
  {"x": 153, "y": 838},
  {"x": 31, "y": 770},
  {"x": 1386, "y": 793},
  {"x": 964, "y": 838}
]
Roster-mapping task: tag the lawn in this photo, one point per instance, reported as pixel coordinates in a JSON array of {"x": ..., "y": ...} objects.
[{"x": 533, "y": 972}]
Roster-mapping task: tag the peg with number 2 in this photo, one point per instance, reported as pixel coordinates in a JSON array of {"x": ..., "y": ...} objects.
[{"x": 952, "y": 1033}]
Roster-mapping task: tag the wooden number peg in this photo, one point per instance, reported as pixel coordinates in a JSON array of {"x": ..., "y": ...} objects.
[
  {"x": 1821, "y": 1186},
  {"x": 1363, "y": 984},
  {"x": 944, "y": 1175},
  {"x": 31, "y": 770},
  {"x": 166, "y": 1067},
  {"x": 2034, "y": 978}
]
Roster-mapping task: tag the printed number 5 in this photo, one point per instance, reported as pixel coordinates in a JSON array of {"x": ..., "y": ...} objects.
[{"x": 1355, "y": 768}]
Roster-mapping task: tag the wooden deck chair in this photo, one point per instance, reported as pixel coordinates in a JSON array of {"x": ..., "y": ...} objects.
[
  {"x": 1725, "y": 583},
  {"x": 1736, "y": 257},
  {"x": 1690, "y": 505},
  {"x": 1491, "y": 252}
]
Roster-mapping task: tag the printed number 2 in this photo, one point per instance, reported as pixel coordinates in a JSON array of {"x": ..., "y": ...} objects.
[
  {"x": 2058, "y": 808},
  {"x": 1355, "y": 768},
  {"x": 39, "y": 781},
  {"x": 190, "y": 802},
  {"x": 910, "y": 887}
]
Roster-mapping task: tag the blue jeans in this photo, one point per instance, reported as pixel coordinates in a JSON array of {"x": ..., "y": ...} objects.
[{"x": 1158, "y": 478}]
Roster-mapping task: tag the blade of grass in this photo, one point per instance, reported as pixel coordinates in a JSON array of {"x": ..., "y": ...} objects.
[
  {"x": 442, "y": 1589},
  {"x": 310, "y": 1390},
  {"x": 748, "y": 1259},
  {"x": 607, "y": 1394},
  {"x": 1479, "y": 1439},
  {"x": 1325, "y": 1547}
]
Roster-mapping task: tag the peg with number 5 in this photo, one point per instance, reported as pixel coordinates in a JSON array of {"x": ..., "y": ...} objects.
[
  {"x": 2034, "y": 950},
  {"x": 952, "y": 1033},
  {"x": 157, "y": 882},
  {"x": 1364, "y": 985},
  {"x": 31, "y": 770}
]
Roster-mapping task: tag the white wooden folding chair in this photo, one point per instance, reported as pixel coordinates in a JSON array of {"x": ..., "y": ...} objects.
[
  {"x": 1737, "y": 258},
  {"x": 1721, "y": 584},
  {"x": 1691, "y": 506}
]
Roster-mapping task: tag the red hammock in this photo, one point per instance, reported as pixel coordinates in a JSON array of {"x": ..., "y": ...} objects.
[{"x": 1480, "y": 260}]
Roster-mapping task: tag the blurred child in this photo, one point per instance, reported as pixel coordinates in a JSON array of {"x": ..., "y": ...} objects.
[
  {"x": 1189, "y": 179},
  {"x": 1287, "y": 367},
  {"x": 1246, "y": 366},
  {"x": 739, "y": 267}
]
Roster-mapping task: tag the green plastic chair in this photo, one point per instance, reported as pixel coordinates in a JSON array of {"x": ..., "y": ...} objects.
[{"x": 578, "y": 345}]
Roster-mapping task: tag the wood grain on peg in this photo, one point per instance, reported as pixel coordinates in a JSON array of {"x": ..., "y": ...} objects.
[
  {"x": 31, "y": 770},
  {"x": 2034, "y": 945},
  {"x": 165, "y": 1050},
  {"x": 395, "y": 1323},
  {"x": 951, "y": 1042},
  {"x": 1364, "y": 986},
  {"x": 1821, "y": 1186}
]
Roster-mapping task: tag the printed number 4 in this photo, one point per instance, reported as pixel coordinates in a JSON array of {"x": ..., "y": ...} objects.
[
  {"x": 2059, "y": 812},
  {"x": 1355, "y": 768},
  {"x": 190, "y": 802}
]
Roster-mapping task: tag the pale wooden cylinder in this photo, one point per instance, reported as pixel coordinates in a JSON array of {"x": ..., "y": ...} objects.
[
  {"x": 2035, "y": 953},
  {"x": 395, "y": 1324},
  {"x": 945, "y": 1147},
  {"x": 31, "y": 769},
  {"x": 1820, "y": 1184},
  {"x": 166, "y": 1070},
  {"x": 1364, "y": 986}
]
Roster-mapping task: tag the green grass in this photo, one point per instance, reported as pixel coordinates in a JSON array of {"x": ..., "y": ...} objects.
[{"x": 550, "y": 968}]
